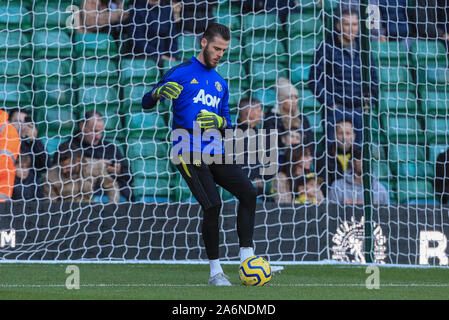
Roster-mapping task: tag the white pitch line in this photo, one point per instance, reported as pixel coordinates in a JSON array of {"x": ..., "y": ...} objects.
[{"x": 143, "y": 285}]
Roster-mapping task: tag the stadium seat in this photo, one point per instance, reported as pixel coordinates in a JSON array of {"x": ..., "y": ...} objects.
[
  {"x": 50, "y": 14},
  {"x": 394, "y": 101},
  {"x": 263, "y": 25},
  {"x": 152, "y": 168},
  {"x": 307, "y": 102},
  {"x": 302, "y": 49},
  {"x": 395, "y": 78},
  {"x": 13, "y": 16},
  {"x": 138, "y": 71},
  {"x": 94, "y": 44},
  {"x": 304, "y": 23},
  {"x": 235, "y": 50},
  {"x": 222, "y": 15},
  {"x": 51, "y": 143},
  {"x": 266, "y": 74},
  {"x": 14, "y": 44},
  {"x": 56, "y": 71},
  {"x": 96, "y": 71},
  {"x": 52, "y": 95},
  {"x": 408, "y": 160},
  {"x": 51, "y": 43},
  {"x": 54, "y": 121},
  {"x": 300, "y": 73},
  {"x": 415, "y": 191},
  {"x": 234, "y": 74},
  {"x": 433, "y": 102},
  {"x": 13, "y": 95},
  {"x": 266, "y": 96},
  {"x": 179, "y": 191},
  {"x": 150, "y": 189},
  {"x": 389, "y": 53},
  {"x": 15, "y": 71},
  {"x": 188, "y": 46},
  {"x": 433, "y": 78},
  {"x": 424, "y": 54},
  {"x": 147, "y": 126},
  {"x": 147, "y": 149},
  {"x": 437, "y": 130},
  {"x": 132, "y": 98},
  {"x": 263, "y": 49},
  {"x": 101, "y": 97},
  {"x": 402, "y": 128}
]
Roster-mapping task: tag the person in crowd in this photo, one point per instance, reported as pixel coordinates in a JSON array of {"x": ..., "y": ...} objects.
[
  {"x": 299, "y": 164},
  {"x": 26, "y": 185},
  {"x": 286, "y": 118},
  {"x": 350, "y": 190},
  {"x": 73, "y": 178},
  {"x": 102, "y": 16},
  {"x": 395, "y": 19},
  {"x": 333, "y": 164},
  {"x": 30, "y": 143},
  {"x": 152, "y": 30},
  {"x": 308, "y": 189},
  {"x": 94, "y": 147},
  {"x": 430, "y": 20},
  {"x": 336, "y": 74},
  {"x": 250, "y": 116},
  {"x": 441, "y": 182},
  {"x": 193, "y": 17}
]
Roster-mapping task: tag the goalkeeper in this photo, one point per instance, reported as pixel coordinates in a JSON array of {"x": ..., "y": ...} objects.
[{"x": 200, "y": 95}]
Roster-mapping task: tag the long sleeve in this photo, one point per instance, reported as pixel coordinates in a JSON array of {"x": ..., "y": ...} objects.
[{"x": 317, "y": 77}]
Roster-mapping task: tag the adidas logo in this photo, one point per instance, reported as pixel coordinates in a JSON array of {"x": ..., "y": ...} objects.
[{"x": 193, "y": 81}]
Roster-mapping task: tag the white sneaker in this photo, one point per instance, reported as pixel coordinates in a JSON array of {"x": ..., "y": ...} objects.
[
  {"x": 275, "y": 269},
  {"x": 220, "y": 279}
]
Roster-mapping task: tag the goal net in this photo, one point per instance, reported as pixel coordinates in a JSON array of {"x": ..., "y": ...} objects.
[{"x": 359, "y": 107}]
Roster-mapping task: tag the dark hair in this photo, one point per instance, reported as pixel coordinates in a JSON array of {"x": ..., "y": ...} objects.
[
  {"x": 17, "y": 110},
  {"x": 345, "y": 9},
  {"x": 292, "y": 157},
  {"x": 65, "y": 151},
  {"x": 217, "y": 29}
]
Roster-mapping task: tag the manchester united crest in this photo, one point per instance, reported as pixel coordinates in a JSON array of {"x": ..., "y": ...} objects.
[{"x": 218, "y": 86}]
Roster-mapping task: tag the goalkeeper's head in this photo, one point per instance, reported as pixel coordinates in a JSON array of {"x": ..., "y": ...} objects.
[{"x": 214, "y": 43}]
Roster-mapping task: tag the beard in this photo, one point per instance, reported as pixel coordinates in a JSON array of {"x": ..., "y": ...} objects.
[{"x": 207, "y": 58}]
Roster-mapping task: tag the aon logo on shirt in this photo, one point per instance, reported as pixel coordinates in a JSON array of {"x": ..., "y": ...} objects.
[{"x": 206, "y": 99}]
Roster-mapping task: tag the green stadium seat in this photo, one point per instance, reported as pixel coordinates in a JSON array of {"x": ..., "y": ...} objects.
[
  {"x": 235, "y": 50},
  {"x": 188, "y": 46},
  {"x": 96, "y": 71},
  {"x": 392, "y": 101},
  {"x": 147, "y": 126},
  {"x": 54, "y": 121},
  {"x": 433, "y": 78},
  {"x": 14, "y": 95},
  {"x": 381, "y": 170},
  {"x": 152, "y": 168},
  {"x": 267, "y": 97},
  {"x": 138, "y": 71},
  {"x": 94, "y": 44},
  {"x": 266, "y": 74},
  {"x": 151, "y": 189},
  {"x": 308, "y": 102},
  {"x": 395, "y": 78},
  {"x": 222, "y": 15},
  {"x": 300, "y": 73},
  {"x": 263, "y": 25},
  {"x": 51, "y": 143},
  {"x": 14, "y": 44},
  {"x": 51, "y": 43},
  {"x": 316, "y": 123},
  {"x": 234, "y": 73},
  {"x": 180, "y": 191},
  {"x": 132, "y": 98},
  {"x": 15, "y": 71},
  {"x": 302, "y": 49},
  {"x": 50, "y": 15},
  {"x": 147, "y": 149},
  {"x": 389, "y": 53},
  {"x": 437, "y": 130},
  {"x": 433, "y": 102},
  {"x": 415, "y": 191},
  {"x": 52, "y": 71},
  {"x": 402, "y": 128},
  {"x": 264, "y": 49},
  {"x": 407, "y": 160},
  {"x": 13, "y": 16},
  {"x": 304, "y": 23},
  {"x": 428, "y": 53},
  {"x": 101, "y": 97},
  {"x": 53, "y": 95}
]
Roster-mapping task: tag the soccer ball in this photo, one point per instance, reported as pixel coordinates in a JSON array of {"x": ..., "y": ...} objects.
[{"x": 255, "y": 271}]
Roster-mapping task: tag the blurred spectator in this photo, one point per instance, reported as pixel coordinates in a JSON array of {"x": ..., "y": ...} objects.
[
  {"x": 430, "y": 20},
  {"x": 336, "y": 161},
  {"x": 308, "y": 189},
  {"x": 30, "y": 144},
  {"x": 73, "y": 177},
  {"x": 299, "y": 163},
  {"x": 152, "y": 30},
  {"x": 336, "y": 74},
  {"x": 102, "y": 16},
  {"x": 394, "y": 19},
  {"x": 94, "y": 148},
  {"x": 9, "y": 151},
  {"x": 292, "y": 126},
  {"x": 280, "y": 7},
  {"x": 250, "y": 115},
  {"x": 193, "y": 16},
  {"x": 26, "y": 185},
  {"x": 349, "y": 190},
  {"x": 441, "y": 183}
]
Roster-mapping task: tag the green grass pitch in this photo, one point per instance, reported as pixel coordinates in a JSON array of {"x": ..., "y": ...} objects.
[{"x": 183, "y": 281}]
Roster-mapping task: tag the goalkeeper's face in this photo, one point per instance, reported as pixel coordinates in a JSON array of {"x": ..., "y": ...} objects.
[{"x": 214, "y": 50}]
